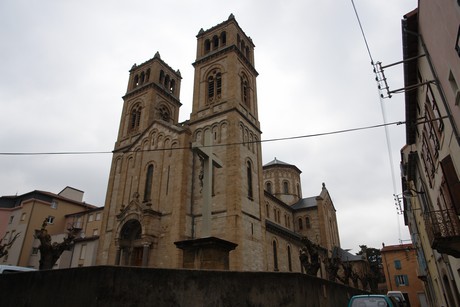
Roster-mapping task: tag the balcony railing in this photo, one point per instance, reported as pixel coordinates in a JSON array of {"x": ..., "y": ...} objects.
[{"x": 443, "y": 229}]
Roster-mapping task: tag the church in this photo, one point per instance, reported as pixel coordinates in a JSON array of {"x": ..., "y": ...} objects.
[{"x": 172, "y": 181}]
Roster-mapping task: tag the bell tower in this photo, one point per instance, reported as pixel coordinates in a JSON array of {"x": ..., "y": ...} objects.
[
  {"x": 152, "y": 94},
  {"x": 225, "y": 106}
]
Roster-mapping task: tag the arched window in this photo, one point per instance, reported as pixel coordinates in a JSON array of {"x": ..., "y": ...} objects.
[
  {"x": 298, "y": 190},
  {"x": 243, "y": 46},
  {"x": 268, "y": 187},
  {"x": 214, "y": 86},
  {"x": 289, "y": 258},
  {"x": 286, "y": 187},
  {"x": 148, "y": 183},
  {"x": 307, "y": 222},
  {"x": 142, "y": 79},
  {"x": 135, "y": 118},
  {"x": 223, "y": 38},
  {"x": 207, "y": 46},
  {"x": 147, "y": 75},
  {"x": 247, "y": 52},
  {"x": 162, "y": 76},
  {"x": 245, "y": 90},
  {"x": 215, "y": 42},
  {"x": 249, "y": 178},
  {"x": 300, "y": 224},
  {"x": 275, "y": 256},
  {"x": 136, "y": 80},
  {"x": 167, "y": 80},
  {"x": 267, "y": 207},
  {"x": 238, "y": 40},
  {"x": 172, "y": 86}
]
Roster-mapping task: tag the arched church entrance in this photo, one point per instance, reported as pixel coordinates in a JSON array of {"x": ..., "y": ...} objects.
[{"x": 130, "y": 244}]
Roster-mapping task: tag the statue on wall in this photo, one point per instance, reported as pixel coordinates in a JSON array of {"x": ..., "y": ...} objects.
[{"x": 50, "y": 252}]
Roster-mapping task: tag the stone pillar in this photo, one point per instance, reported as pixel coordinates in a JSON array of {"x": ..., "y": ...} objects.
[
  {"x": 209, "y": 253},
  {"x": 118, "y": 256},
  {"x": 145, "y": 254}
]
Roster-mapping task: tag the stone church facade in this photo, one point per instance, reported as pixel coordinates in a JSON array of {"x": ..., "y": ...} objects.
[{"x": 156, "y": 193}]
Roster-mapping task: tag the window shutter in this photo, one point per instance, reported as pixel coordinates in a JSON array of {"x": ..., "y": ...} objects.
[
  {"x": 452, "y": 181},
  {"x": 406, "y": 280}
]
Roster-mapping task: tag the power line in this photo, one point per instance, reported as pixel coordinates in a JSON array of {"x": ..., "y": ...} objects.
[{"x": 220, "y": 145}]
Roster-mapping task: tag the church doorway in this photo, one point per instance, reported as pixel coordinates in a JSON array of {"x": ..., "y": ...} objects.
[{"x": 130, "y": 244}]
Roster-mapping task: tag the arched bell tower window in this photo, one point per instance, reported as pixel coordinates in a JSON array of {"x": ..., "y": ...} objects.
[
  {"x": 164, "y": 113},
  {"x": 215, "y": 42},
  {"x": 172, "y": 86},
  {"x": 307, "y": 222},
  {"x": 300, "y": 224},
  {"x": 207, "y": 46},
  {"x": 245, "y": 90},
  {"x": 223, "y": 38},
  {"x": 214, "y": 86},
  {"x": 162, "y": 77},
  {"x": 148, "y": 184},
  {"x": 135, "y": 118}
]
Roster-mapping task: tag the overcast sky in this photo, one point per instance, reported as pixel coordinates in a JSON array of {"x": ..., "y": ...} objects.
[{"x": 64, "y": 68}]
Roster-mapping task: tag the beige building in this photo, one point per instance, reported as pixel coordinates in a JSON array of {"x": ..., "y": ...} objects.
[
  {"x": 400, "y": 268},
  {"x": 431, "y": 157},
  {"x": 165, "y": 174},
  {"x": 26, "y": 213}
]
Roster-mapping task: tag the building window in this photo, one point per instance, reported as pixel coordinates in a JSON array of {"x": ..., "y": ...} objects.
[
  {"x": 215, "y": 42},
  {"x": 98, "y": 216},
  {"x": 397, "y": 264},
  {"x": 54, "y": 204},
  {"x": 23, "y": 216},
  {"x": 286, "y": 187},
  {"x": 148, "y": 184},
  {"x": 245, "y": 90},
  {"x": 223, "y": 38},
  {"x": 249, "y": 179},
  {"x": 90, "y": 218},
  {"x": 162, "y": 77},
  {"x": 11, "y": 219},
  {"x": 275, "y": 257},
  {"x": 401, "y": 280},
  {"x": 135, "y": 118},
  {"x": 95, "y": 232},
  {"x": 50, "y": 219},
  {"x": 214, "y": 86},
  {"x": 300, "y": 224},
  {"x": 267, "y": 207},
  {"x": 34, "y": 250},
  {"x": 268, "y": 187},
  {"x": 207, "y": 46},
  {"x": 307, "y": 223}
]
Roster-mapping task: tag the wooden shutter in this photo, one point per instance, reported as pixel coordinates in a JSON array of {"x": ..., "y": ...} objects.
[{"x": 452, "y": 181}]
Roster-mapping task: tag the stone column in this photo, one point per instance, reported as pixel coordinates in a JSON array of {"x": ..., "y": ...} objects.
[
  {"x": 118, "y": 256},
  {"x": 145, "y": 254}
]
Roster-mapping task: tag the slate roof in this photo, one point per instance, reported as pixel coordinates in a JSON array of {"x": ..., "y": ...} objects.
[
  {"x": 309, "y": 202},
  {"x": 277, "y": 162}
]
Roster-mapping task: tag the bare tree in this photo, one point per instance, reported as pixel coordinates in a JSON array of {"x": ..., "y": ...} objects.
[
  {"x": 50, "y": 252},
  {"x": 5, "y": 247}
]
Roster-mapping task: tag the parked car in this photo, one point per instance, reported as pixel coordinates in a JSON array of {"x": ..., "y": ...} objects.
[
  {"x": 373, "y": 300},
  {"x": 399, "y": 296},
  {"x": 5, "y": 269}
]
